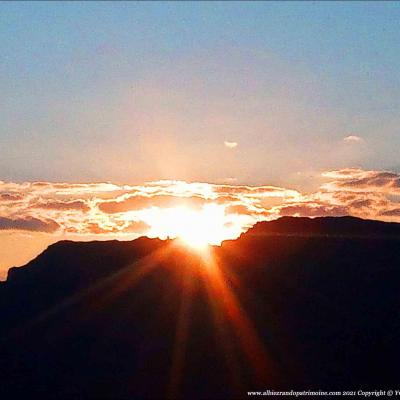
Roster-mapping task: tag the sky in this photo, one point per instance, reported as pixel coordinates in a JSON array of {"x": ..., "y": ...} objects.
[
  {"x": 132, "y": 92},
  {"x": 119, "y": 117}
]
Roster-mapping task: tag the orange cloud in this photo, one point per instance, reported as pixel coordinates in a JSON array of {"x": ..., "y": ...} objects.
[
  {"x": 140, "y": 202},
  {"x": 11, "y": 196},
  {"x": 78, "y": 205},
  {"x": 123, "y": 210},
  {"x": 136, "y": 227},
  {"x": 238, "y": 209}
]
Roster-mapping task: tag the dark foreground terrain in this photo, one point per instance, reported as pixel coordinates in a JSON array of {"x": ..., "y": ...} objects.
[{"x": 292, "y": 304}]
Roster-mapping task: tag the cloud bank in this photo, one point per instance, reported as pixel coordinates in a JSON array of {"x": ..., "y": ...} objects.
[{"x": 126, "y": 211}]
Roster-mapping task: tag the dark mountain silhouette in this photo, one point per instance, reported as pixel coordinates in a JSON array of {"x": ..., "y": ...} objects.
[
  {"x": 340, "y": 226},
  {"x": 297, "y": 303}
]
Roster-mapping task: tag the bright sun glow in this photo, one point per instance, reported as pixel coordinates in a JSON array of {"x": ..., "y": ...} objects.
[{"x": 196, "y": 228}]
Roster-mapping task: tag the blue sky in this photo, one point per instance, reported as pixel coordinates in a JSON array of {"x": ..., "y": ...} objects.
[{"x": 140, "y": 91}]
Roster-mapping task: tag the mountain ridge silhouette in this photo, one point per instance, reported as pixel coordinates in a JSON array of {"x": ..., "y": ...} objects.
[{"x": 104, "y": 319}]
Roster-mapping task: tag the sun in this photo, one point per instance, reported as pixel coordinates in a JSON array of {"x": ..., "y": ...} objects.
[
  {"x": 195, "y": 228},
  {"x": 199, "y": 229},
  {"x": 195, "y": 241}
]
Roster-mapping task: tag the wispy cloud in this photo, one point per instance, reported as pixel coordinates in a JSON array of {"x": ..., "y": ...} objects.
[
  {"x": 353, "y": 139},
  {"x": 229, "y": 180},
  {"x": 360, "y": 180},
  {"x": 230, "y": 145}
]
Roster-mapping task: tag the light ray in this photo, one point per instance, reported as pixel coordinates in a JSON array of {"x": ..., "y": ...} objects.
[
  {"x": 113, "y": 285},
  {"x": 263, "y": 366},
  {"x": 181, "y": 335}
]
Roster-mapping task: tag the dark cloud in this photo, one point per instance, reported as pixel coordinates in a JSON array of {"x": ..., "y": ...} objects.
[
  {"x": 361, "y": 203},
  {"x": 394, "y": 212},
  {"x": 78, "y": 205},
  {"x": 313, "y": 209},
  {"x": 137, "y": 227},
  {"x": 11, "y": 196},
  {"x": 366, "y": 180},
  {"x": 29, "y": 224}
]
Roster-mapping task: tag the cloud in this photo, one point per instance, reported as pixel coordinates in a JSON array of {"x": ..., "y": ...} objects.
[
  {"x": 344, "y": 173},
  {"x": 121, "y": 211},
  {"x": 229, "y": 180},
  {"x": 394, "y": 212},
  {"x": 311, "y": 209},
  {"x": 141, "y": 202},
  {"x": 256, "y": 191},
  {"x": 29, "y": 224},
  {"x": 96, "y": 229},
  {"x": 11, "y": 196},
  {"x": 238, "y": 209},
  {"x": 361, "y": 180},
  {"x": 362, "y": 203},
  {"x": 353, "y": 139},
  {"x": 230, "y": 145},
  {"x": 78, "y": 205},
  {"x": 137, "y": 227}
]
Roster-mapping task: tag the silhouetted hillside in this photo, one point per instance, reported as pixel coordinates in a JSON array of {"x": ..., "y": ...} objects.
[
  {"x": 344, "y": 226},
  {"x": 293, "y": 304}
]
